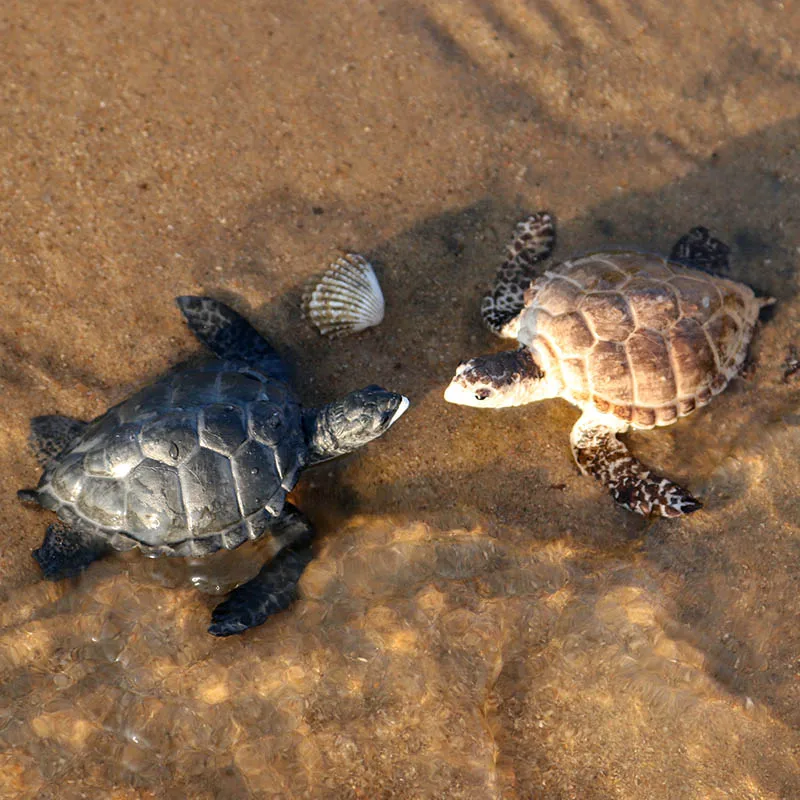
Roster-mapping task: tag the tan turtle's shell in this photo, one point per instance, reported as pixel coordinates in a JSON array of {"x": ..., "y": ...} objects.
[{"x": 636, "y": 335}]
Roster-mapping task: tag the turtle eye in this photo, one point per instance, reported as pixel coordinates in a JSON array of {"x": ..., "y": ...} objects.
[{"x": 482, "y": 394}]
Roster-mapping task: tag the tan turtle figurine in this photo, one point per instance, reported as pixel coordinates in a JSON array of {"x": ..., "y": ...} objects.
[{"x": 635, "y": 340}]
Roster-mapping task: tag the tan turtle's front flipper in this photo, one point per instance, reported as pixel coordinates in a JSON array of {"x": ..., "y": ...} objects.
[
  {"x": 533, "y": 242},
  {"x": 598, "y": 452}
]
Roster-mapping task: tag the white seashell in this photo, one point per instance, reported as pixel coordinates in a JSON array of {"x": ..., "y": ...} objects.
[{"x": 348, "y": 299}]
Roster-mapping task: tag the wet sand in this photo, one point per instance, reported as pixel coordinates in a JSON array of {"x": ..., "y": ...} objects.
[{"x": 481, "y": 621}]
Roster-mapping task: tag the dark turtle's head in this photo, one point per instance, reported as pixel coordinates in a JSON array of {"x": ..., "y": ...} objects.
[
  {"x": 347, "y": 424},
  {"x": 512, "y": 378}
]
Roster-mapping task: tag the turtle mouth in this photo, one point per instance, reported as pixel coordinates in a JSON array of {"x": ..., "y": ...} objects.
[
  {"x": 392, "y": 416},
  {"x": 455, "y": 391}
]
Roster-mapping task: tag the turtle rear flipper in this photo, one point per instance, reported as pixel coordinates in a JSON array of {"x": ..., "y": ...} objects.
[
  {"x": 230, "y": 336},
  {"x": 66, "y": 552},
  {"x": 533, "y": 242},
  {"x": 52, "y": 434},
  {"x": 699, "y": 249},
  {"x": 598, "y": 452},
  {"x": 274, "y": 589}
]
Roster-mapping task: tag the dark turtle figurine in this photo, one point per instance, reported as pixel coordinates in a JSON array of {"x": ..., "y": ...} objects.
[
  {"x": 198, "y": 461},
  {"x": 634, "y": 340}
]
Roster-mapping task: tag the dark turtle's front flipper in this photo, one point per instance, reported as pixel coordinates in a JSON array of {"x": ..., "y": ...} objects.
[
  {"x": 598, "y": 452},
  {"x": 275, "y": 587},
  {"x": 66, "y": 552},
  {"x": 701, "y": 250},
  {"x": 231, "y": 336},
  {"x": 52, "y": 434}
]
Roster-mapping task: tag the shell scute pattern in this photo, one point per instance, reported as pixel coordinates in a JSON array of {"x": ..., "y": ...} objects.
[
  {"x": 154, "y": 513},
  {"x": 557, "y": 294},
  {"x": 198, "y": 461},
  {"x": 610, "y": 373},
  {"x": 609, "y": 315},
  {"x": 654, "y": 304},
  {"x": 70, "y": 477},
  {"x": 569, "y": 331},
  {"x": 170, "y": 438},
  {"x": 698, "y": 298},
  {"x": 637, "y": 336},
  {"x": 575, "y": 375},
  {"x": 693, "y": 356},
  {"x": 594, "y": 274},
  {"x": 256, "y": 476},
  {"x": 209, "y": 502},
  {"x": 222, "y": 428},
  {"x": 103, "y": 500},
  {"x": 265, "y": 422},
  {"x": 649, "y": 358}
]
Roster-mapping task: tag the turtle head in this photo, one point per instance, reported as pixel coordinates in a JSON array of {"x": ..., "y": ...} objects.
[
  {"x": 347, "y": 424},
  {"x": 511, "y": 378}
]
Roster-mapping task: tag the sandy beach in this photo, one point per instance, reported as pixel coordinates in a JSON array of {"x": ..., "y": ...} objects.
[{"x": 480, "y": 621}]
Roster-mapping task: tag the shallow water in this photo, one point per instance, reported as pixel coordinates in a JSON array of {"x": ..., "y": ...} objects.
[{"x": 480, "y": 621}]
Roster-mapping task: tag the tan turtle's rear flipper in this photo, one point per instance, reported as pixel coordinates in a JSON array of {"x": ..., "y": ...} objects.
[{"x": 598, "y": 452}]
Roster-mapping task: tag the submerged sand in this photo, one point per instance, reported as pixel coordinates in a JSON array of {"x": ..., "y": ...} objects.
[{"x": 481, "y": 621}]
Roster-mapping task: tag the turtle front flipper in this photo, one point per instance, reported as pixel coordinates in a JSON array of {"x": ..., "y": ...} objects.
[
  {"x": 231, "y": 336},
  {"x": 533, "y": 242},
  {"x": 66, "y": 552},
  {"x": 699, "y": 249},
  {"x": 52, "y": 434},
  {"x": 598, "y": 452},
  {"x": 275, "y": 587}
]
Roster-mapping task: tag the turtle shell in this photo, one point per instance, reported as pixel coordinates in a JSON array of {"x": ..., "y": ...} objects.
[
  {"x": 198, "y": 461},
  {"x": 637, "y": 336}
]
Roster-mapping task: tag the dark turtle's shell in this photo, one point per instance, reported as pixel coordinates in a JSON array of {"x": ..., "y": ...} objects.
[{"x": 198, "y": 461}]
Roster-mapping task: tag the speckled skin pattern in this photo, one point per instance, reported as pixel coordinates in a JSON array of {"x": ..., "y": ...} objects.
[
  {"x": 533, "y": 242},
  {"x": 637, "y": 336},
  {"x": 198, "y": 461}
]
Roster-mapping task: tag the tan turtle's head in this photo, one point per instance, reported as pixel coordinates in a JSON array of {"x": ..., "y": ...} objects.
[{"x": 512, "y": 378}]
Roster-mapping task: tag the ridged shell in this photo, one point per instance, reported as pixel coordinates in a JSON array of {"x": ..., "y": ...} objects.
[
  {"x": 638, "y": 336},
  {"x": 348, "y": 299},
  {"x": 179, "y": 473}
]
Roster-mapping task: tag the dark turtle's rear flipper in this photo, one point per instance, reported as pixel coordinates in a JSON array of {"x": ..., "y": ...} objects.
[
  {"x": 275, "y": 587},
  {"x": 52, "y": 434},
  {"x": 701, "y": 250},
  {"x": 598, "y": 452},
  {"x": 231, "y": 336},
  {"x": 65, "y": 552}
]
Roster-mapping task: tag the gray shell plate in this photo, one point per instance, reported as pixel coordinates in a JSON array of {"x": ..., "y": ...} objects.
[{"x": 198, "y": 461}]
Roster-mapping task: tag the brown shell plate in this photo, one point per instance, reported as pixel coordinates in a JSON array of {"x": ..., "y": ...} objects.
[{"x": 636, "y": 335}]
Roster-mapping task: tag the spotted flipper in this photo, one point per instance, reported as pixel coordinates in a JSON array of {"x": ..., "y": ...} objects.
[
  {"x": 701, "y": 250},
  {"x": 231, "y": 336},
  {"x": 598, "y": 452},
  {"x": 66, "y": 552},
  {"x": 533, "y": 242},
  {"x": 275, "y": 587},
  {"x": 50, "y": 435}
]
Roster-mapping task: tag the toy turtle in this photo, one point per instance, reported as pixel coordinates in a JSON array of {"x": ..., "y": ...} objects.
[
  {"x": 198, "y": 461},
  {"x": 634, "y": 340}
]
